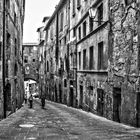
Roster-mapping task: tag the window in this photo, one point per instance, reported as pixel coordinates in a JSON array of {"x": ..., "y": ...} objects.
[
  {"x": 91, "y": 58},
  {"x": 127, "y": 2},
  {"x": 6, "y": 69},
  {"x": 72, "y": 59},
  {"x": 74, "y": 32},
  {"x": 0, "y": 50},
  {"x": 79, "y": 32},
  {"x": 78, "y": 4},
  {"x": 15, "y": 18},
  {"x": 8, "y": 4},
  {"x": 60, "y": 42},
  {"x": 26, "y": 59},
  {"x": 84, "y": 29},
  {"x": 33, "y": 60},
  {"x": 90, "y": 24},
  {"x": 65, "y": 40},
  {"x": 100, "y": 56},
  {"x": 84, "y": 59},
  {"x": 65, "y": 82},
  {"x": 79, "y": 60},
  {"x": 47, "y": 66},
  {"x": 100, "y": 14},
  {"x": 61, "y": 21},
  {"x": 15, "y": 47},
  {"x": 8, "y": 39},
  {"x": 73, "y": 10}
]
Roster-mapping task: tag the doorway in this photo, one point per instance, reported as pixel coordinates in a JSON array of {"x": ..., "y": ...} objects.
[
  {"x": 8, "y": 96},
  {"x": 60, "y": 93},
  {"x": 56, "y": 93},
  {"x": 71, "y": 96},
  {"x": 100, "y": 101},
  {"x": 81, "y": 97},
  {"x": 116, "y": 104},
  {"x": 138, "y": 109}
]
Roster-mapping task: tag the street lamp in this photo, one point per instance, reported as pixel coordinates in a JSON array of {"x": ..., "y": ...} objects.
[{"x": 92, "y": 12}]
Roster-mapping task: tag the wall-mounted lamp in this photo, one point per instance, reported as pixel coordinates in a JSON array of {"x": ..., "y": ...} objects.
[{"x": 92, "y": 12}]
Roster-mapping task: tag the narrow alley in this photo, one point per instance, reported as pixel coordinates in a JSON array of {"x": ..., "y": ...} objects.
[{"x": 60, "y": 122}]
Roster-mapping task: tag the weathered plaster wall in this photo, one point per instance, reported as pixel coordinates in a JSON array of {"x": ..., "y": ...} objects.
[
  {"x": 1, "y": 39},
  {"x": 124, "y": 57}
]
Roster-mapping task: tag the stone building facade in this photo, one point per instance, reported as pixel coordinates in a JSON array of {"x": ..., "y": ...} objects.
[
  {"x": 122, "y": 85},
  {"x": 30, "y": 61},
  {"x": 92, "y": 54},
  {"x": 57, "y": 36},
  {"x": 93, "y": 63},
  {"x": 42, "y": 58},
  {"x": 11, "y": 32}
]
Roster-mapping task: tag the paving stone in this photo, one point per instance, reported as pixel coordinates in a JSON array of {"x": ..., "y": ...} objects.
[{"x": 59, "y": 122}]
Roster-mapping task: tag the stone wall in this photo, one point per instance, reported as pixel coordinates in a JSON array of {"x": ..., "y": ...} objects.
[{"x": 124, "y": 56}]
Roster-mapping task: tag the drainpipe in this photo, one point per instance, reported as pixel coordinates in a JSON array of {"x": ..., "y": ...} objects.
[{"x": 3, "y": 58}]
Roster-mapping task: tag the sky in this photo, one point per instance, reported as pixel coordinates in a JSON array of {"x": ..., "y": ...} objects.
[{"x": 35, "y": 11}]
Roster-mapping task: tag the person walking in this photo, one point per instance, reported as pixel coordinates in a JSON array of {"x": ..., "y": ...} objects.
[
  {"x": 25, "y": 98},
  {"x": 43, "y": 101},
  {"x": 31, "y": 101}
]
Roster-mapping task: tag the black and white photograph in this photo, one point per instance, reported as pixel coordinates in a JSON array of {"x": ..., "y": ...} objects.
[{"x": 69, "y": 69}]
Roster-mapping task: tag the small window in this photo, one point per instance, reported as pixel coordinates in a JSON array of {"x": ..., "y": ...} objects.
[
  {"x": 90, "y": 24},
  {"x": 78, "y": 4},
  {"x": 100, "y": 56},
  {"x": 79, "y": 60},
  {"x": 73, "y": 10},
  {"x": 25, "y": 61},
  {"x": 74, "y": 32},
  {"x": 15, "y": 18},
  {"x": 33, "y": 60},
  {"x": 0, "y": 50},
  {"x": 84, "y": 29},
  {"x": 84, "y": 59},
  {"x": 60, "y": 42},
  {"x": 8, "y": 4},
  {"x": 91, "y": 58},
  {"x": 100, "y": 14},
  {"x": 65, "y": 40},
  {"x": 47, "y": 66},
  {"x": 61, "y": 21},
  {"x": 79, "y": 32},
  {"x": 127, "y": 2},
  {"x": 65, "y": 83}
]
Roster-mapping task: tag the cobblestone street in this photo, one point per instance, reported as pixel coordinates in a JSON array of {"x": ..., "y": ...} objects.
[{"x": 59, "y": 122}]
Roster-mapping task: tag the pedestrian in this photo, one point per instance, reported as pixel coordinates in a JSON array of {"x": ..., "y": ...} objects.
[
  {"x": 42, "y": 101},
  {"x": 31, "y": 101},
  {"x": 25, "y": 98}
]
